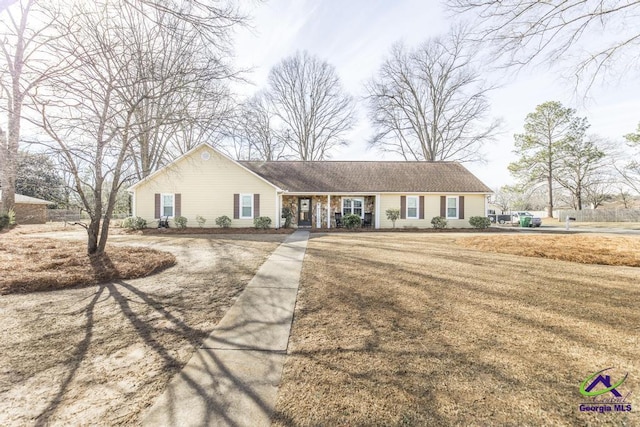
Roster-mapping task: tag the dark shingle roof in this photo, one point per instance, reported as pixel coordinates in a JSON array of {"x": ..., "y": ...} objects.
[{"x": 367, "y": 176}]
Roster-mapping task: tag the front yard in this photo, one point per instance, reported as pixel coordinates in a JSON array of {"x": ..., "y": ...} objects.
[
  {"x": 389, "y": 329},
  {"x": 98, "y": 355},
  {"x": 417, "y": 329}
]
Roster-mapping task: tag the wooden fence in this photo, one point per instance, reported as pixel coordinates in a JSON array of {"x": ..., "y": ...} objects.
[{"x": 601, "y": 215}]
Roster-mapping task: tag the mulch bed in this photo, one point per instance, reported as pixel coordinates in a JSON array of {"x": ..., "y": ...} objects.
[
  {"x": 192, "y": 230},
  {"x": 411, "y": 230},
  {"x": 30, "y": 265}
]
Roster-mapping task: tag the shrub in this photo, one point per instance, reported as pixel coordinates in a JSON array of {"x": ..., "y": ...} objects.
[
  {"x": 439, "y": 222},
  {"x": 223, "y": 221},
  {"x": 287, "y": 214},
  {"x": 181, "y": 222},
  {"x": 262, "y": 222},
  {"x": 480, "y": 222},
  {"x": 351, "y": 221},
  {"x": 134, "y": 223},
  {"x": 201, "y": 220},
  {"x": 4, "y": 220},
  {"x": 393, "y": 215}
]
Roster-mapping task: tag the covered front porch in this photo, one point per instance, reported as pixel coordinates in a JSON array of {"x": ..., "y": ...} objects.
[{"x": 318, "y": 211}]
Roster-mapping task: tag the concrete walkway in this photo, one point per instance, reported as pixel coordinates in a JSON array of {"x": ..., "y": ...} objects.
[{"x": 233, "y": 379}]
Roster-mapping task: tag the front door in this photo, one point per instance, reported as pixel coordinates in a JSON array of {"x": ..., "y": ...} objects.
[{"x": 304, "y": 212}]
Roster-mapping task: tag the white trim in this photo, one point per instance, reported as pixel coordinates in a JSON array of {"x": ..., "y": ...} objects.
[
  {"x": 173, "y": 204},
  {"x": 361, "y": 199},
  {"x": 377, "y": 220},
  {"x": 318, "y": 215},
  {"x": 278, "y": 203},
  {"x": 417, "y": 199},
  {"x": 446, "y": 207},
  {"x": 133, "y": 203},
  {"x": 369, "y": 193},
  {"x": 328, "y": 210},
  {"x": 251, "y": 197}
]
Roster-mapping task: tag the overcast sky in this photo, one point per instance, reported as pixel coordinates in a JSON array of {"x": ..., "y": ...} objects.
[{"x": 356, "y": 35}]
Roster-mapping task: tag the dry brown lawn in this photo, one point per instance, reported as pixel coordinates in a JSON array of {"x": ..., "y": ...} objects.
[
  {"x": 101, "y": 354},
  {"x": 38, "y": 264},
  {"x": 586, "y": 249},
  {"x": 415, "y": 329}
]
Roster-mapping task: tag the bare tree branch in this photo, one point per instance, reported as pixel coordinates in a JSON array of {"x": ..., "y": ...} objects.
[
  {"x": 593, "y": 38},
  {"x": 430, "y": 103},
  {"x": 314, "y": 110}
]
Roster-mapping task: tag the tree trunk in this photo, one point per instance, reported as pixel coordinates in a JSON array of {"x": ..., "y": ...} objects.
[
  {"x": 10, "y": 156},
  {"x": 7, "y": 178},
  {"x": 550, "y": 203},
  {"x": 92, "y": 231},
  {"x": 579, "y": 199}
]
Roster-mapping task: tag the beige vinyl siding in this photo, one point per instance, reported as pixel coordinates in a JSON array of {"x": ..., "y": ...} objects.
[
  {"x": 207, "y": 188},
  {"x": 473, "y": 206}
]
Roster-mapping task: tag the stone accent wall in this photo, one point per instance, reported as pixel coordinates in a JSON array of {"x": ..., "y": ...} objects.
[
  {"x": 336, "y": 206},
  {"x": 292, "y": 203},
  {"x": 369, "y": 207}
]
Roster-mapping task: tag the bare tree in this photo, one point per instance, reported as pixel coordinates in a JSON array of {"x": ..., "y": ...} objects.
[
  {"x": 23, "y": 35},
  {"x": 314, "y": 110},
  {"x": 430, "y": 103},
  {"x": 93, "y": 140},
  {"x": 186, "y": 81},
  {"x": 598, "y": 192},
  {"x": 625, "y": 198},
  {"x": 256, "y": 127},
  {"x": 560, "y": 32},
  {"x": 212, "y": 21},
  {"x": 118, "y": 89},
  {"x": 504, "y": 197}
]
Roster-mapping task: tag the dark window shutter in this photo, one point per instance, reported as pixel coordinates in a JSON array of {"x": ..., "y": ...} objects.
[
  {"x": 443, "y": 206},
  {"x": 403, "y": 207},
  {"x": 421, "y": 207},
  {"x": 177, "y": 200},
  {"x": 461, "y": 207},
  {"x": 236, "y": 206},
  {"x": 256, "y": 205},
  {"x": 157, "y": 209}
]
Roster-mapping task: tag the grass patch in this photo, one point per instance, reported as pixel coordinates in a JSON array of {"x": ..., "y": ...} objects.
[
  {"x": 33, "y": 264},
  {"x": 413, "y": 329},
  {"x": 605, "y": 250}
]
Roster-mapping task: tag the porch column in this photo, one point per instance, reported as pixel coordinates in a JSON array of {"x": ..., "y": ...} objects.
[
  {"x": 328, "y": 210},
  {"x": 318, "y": 215},
  {"x": 278, "y": 209},
  {"x": 377, "y": 225}
]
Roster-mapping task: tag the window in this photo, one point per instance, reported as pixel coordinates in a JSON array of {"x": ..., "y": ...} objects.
[
  {"x": 412, "y": 207},
  {"x": 167, "y": 205},
  {"x": 452, "y": 207},
  {"x": 353, "y": 206},
  {"x": 246, "y": 206}
]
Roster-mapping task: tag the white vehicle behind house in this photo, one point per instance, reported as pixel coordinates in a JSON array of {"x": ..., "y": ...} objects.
[{"x": 535, "y": 221}]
